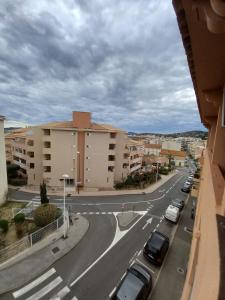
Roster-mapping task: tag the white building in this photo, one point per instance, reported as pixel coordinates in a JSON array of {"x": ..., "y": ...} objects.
[
  {"x": 171, "y": 145},
  {"x": 3, "y": 174}
]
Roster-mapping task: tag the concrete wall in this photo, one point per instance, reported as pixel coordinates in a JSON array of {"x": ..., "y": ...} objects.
[{"x": 3, "y": 175}]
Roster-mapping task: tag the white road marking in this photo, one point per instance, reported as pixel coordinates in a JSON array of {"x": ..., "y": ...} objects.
[
  {"x": 34, "y": 283},
  {"x": 110, "y": 295},
  {"x": 144, "y": 265},
  {"x": 157, "y": 226},
  {"x": 61, "y": 294},
  {"x": 149, "y": 221},
  {"x": 74, "y": 298},
  {"x": 46, "y": 289},
  {"x": 118, "y": 236},
  {"x": 132, "y": 258}
]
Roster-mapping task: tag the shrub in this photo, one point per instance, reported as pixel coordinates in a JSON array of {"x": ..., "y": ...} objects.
[
  {"x": 19, "y": 218},
  {"x": 58, "y": 213},
  {"x": 45, "y": 214},
  {"x": 17, "y": 181},
  {"x": 4, "y": 225},
  {"x": 119, "y": 185}
]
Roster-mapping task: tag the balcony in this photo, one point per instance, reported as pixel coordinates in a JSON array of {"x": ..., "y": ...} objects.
[
  {"x": 135, "y": 168},
  {"x": 47, "y": 144}
]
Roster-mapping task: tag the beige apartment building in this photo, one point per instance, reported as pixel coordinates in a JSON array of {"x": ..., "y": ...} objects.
[
  {"x": 3, "y": 175},
  {"x": 95, "y": 156},
  {"x": 202, "y": 27},
  {"x": 152, "y": 149}
]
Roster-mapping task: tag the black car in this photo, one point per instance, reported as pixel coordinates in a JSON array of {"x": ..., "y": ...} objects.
[
  {"x": 135, "y": 285},
  {"x": 178, "y": 203},
  {"x": 156, "y": 247}
]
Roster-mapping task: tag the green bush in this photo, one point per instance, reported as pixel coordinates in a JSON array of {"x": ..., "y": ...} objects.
[
  {"x": 4, "y": 225},
  {"x": 17, "y": 181},
  {"x": 58, "y": 213},
  {"x": 45, "y": 214},
  {"x": 119, "y": 185},
  {"x": 19, "y": 218}
]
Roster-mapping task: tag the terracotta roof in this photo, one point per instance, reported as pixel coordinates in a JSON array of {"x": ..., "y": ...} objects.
[
  {"x": 153, "y": 146},
  {"x": 172, "y": 152}
]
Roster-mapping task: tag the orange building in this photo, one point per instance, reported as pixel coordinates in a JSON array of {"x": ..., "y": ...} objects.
[{"x": 202, "y": 27}]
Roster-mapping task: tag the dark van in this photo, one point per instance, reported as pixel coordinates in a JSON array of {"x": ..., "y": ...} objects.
[{"x": 156, "y": 247}]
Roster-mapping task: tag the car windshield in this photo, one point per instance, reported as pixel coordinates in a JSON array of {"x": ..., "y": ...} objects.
[{"x": 155, "y": 242}]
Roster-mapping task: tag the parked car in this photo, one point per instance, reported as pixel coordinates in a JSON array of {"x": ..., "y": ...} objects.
[
  {"x": 172, "y": 213},
  {"x": 189, "y": 183},
  {"x": 156, "y": 247},
  {"x": 186, "y": 188},
  {"x": 178, "y": 203},
  {"x": 193, "y": 209},
  {"x": 135, "y": 285}
]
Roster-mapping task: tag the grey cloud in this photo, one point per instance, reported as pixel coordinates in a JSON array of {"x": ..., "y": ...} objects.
[{"x": 124, "y": 61}]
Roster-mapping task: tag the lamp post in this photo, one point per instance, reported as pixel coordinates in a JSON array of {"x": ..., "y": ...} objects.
[
  {"x": 78, "y": 169},
  {"x": 65, "y": 176},
  {"x": 157, "y": 171}
]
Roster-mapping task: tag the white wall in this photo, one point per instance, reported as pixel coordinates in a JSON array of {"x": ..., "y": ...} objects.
[{"x": 3, "y": 175}]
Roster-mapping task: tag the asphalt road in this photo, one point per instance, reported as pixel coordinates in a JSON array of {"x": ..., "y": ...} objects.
[{"x": 95, "y": 266}]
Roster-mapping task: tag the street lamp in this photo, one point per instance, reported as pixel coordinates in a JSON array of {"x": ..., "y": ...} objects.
[
  {"x": 65, "y": 176},
  {"x": 157, "y": 171},
  {"x": 78, "y": 169}
]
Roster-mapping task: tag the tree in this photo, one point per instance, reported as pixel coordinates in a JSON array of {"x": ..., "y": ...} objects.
[{"x": 43, "y": 193}]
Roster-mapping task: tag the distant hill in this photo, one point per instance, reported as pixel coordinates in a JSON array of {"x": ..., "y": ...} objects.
[{"x": 193, "y": 133}]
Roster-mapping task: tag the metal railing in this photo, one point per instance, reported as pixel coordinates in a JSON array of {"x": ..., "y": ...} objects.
[{"x": 29, "y": 240}]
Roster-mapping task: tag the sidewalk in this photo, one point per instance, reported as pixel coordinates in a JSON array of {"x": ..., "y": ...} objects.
[
  {"x": 38, "y": 260},
  {"x": 149, "y": 189}
]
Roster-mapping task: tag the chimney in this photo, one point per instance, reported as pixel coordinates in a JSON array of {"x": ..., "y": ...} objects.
[{"x": 81, "y": 119}]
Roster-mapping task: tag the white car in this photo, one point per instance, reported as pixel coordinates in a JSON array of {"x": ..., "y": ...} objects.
[{"x": 172, "y": 213}]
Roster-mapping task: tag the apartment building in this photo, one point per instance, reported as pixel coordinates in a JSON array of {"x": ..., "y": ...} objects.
[
  {"x": 177, "y": 156},
  {"x": 171, "y": 144},
  {"x": 152, "y": 149},
  {"x": 3, "y": 175},
  {"x": 202, "y": 27},
  {"x": 95, "y": 156}
]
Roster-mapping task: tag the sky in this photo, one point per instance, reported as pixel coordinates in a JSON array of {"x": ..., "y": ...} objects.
[{"x": 121, "y": 60}]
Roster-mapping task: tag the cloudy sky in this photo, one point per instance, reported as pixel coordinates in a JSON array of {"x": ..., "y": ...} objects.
[{"x": 121, "y": 60}]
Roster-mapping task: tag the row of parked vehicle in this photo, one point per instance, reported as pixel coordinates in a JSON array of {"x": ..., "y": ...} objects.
[
  {"x": 137, "y": 282},
  {"x": 188, "y": 184}
]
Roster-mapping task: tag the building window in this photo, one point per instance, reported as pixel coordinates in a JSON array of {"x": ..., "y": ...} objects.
[
  {"x": 46, "y": 131},
  {"x": 24, "y": 151},
  {"x": 70, "y": 181},
  {"x": 111, "y": 158},
  {"x": 110, "y": 168},
  {"x": 47, "y": 169},
  {"x": 125, "y": 155},
  {"x": 112, "y": 135},
  {"x": 107, "y": 179},
  {"x": 88, "y": 146},
  {"x": 88, "y": 169},
  {"x": 47, "y": 144},
  {"x": 87, "y": 157},
  {"x": 30, "y": 153},
  {"x": 88, "y": 133},
  {"x": 87, "y": 180},
  {"x": 30, "y": 143},
  {"x": 47, "y": 157},
  {"x": 31, "y": 165},
  {"x": 112, "y": 146}
]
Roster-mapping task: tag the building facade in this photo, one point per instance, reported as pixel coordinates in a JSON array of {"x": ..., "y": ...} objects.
[
  {"x": 95, "y": 156},
  {"x": 3, "y": 174},
  {"x": 152, "y": 149},
  {"x": 202, "y": 27}
]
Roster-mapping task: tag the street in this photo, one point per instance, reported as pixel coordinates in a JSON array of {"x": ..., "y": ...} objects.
[{"x": 93, "y": 269}]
